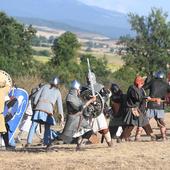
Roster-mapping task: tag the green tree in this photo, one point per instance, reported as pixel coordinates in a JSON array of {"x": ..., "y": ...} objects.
[
  {"x": 35, "y": 41},
  {"x": 149, "y": 50},
  {"x": 65, "y": 49},
  {"x": 51, "y": 39},
  {"x": 124, "y": 77},
  {"x": 15, "y": 46},
  {"x": 98, "y": 66}
]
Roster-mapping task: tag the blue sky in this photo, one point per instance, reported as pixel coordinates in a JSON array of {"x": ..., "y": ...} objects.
[{"x": 141, "y": 7}]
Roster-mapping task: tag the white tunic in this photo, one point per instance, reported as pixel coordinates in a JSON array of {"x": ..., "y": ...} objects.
[
  {"x": 26, "y": 121},
  {"x": 99, "y": 123}
]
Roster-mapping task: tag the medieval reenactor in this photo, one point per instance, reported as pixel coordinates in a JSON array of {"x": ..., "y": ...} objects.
[
  {"x": 117, "y": 103},
  {"x": 94, "y": 112},
  {"x": 135, "y": 110},
  {"x": 76, "y": 126},
  {"x": 43, "y": 109},
  {"x": 168, "y": 94},
  {"x": 26, "y": 123},
  {"x": 158, "y": 89},
  {"x": 5, "y": 86},
  {"x": 35, "y": 126}
]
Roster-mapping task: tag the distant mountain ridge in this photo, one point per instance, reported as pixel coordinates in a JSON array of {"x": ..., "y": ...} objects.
[
  {"x": 48, "y": 23},
  {"x": 72, "y": 13}
]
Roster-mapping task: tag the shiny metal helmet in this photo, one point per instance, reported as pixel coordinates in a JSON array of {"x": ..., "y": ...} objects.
[
  {"x": 91, "y": 77},
  {"x": 75, "y": 85},
  {"x": 54, "y": 81},
  {"x": 160, "y": 75}
]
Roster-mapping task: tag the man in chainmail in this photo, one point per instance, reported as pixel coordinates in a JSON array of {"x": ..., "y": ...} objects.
[
  {"x": 99, "y": 123},
  {"x": 76, "y": 125}
]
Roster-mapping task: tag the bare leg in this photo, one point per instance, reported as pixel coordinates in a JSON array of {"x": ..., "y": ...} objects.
[
  {"x": 138, "y": 134},
  {"x": 106, "y": 134},
  {"x": 108, "y": 139},
  {"x": 162, "y": 126},
  {"x": 163, "y": 133}
]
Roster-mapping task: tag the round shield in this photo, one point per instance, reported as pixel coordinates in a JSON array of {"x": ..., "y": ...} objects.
[
  {"x": 5, "y": 79},
  {"x": 93, "y": 109},
  {"x": 5, "y": 86}
]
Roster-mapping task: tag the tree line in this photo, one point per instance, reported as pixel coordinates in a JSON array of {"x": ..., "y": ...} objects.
[{"x": 147, "y": 51}]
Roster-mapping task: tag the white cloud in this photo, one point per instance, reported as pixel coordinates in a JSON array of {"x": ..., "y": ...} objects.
[
  {"x": 126, "y": 6},
  {"x": 117, "y": 5}
]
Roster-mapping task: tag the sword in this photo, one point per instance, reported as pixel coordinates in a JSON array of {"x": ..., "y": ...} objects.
[{"x": 90, "y": 78}]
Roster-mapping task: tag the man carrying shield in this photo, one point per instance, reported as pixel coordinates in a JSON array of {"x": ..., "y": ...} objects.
[
  {"x": 95, "y": 113},
  {"x": 76, "y": 126},
  {"x": 5, "y": 86}
]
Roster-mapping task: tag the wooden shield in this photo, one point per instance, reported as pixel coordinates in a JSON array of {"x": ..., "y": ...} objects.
[{"x": 96, "y": 108}]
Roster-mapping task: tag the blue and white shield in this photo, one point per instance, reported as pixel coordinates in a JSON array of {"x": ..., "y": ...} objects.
[{"x": 17, "y": 110}]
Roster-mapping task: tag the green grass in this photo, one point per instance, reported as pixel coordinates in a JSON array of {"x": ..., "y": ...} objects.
[
  {"x": 115, "y": 62},
  {"x": 41, "y": 59},
  {"x": 41, "y": 48}
]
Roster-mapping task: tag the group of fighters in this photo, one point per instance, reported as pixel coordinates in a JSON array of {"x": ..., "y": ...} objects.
[
  {"x": 145, "y": 99},
  {"x": 87, "y": 112},
  {"x": 84, "y": 117}
]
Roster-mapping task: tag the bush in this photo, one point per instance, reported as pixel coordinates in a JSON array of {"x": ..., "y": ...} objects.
[{"x": 125, "y": 76}]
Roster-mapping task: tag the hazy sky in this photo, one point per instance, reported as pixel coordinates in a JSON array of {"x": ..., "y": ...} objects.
[{"x": 141, "y": 7}]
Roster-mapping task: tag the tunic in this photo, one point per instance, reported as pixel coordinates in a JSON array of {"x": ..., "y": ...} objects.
[
  {"x": 135, "y": 99},
  {"x": 44, "y": 102},
  {"x": 76, "y": 125}
]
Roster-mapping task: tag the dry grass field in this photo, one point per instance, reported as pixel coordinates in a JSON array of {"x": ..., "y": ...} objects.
[
  {"x": 114, "y": 61},
  {"x": 128, "y": 155}
]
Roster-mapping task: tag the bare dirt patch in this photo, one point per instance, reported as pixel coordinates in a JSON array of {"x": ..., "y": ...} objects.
[{"x": 129, "y": 155}]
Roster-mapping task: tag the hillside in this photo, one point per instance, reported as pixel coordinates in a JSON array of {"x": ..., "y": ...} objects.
[
  {"x": 94, "y": 44},
  {"x": 48, "y": 23},
  {"x": 71, "y": 14}
]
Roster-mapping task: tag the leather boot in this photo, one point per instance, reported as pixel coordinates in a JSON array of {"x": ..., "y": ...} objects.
[
  {"x": 148, "y": 130},
  {"x": 109, "y": 144},
  {"x": 126, "y": 133}
]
